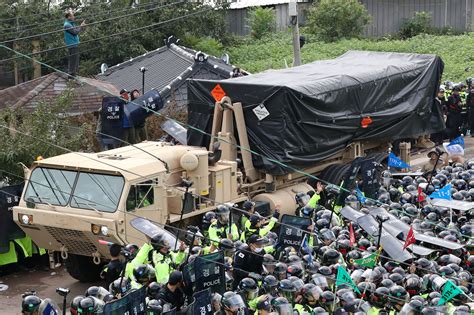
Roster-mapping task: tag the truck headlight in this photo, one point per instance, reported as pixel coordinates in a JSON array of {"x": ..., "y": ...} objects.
[
  {"x": 25, "y": 219},
  {"x": 100, "y": 229},
  {"x": 104, "y": 230}
]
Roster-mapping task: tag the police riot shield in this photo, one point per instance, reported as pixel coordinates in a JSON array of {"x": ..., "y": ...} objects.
[
  {"x": 111, "y": 116},
  {"x": 132, "y": 303},
  {"x": 150, "y": 229},
  {"x": 175, "y": 130},
  {"x": 390, "y": 244},
  {"x": 189, "y": 277},
  {"x": 453, "y": 204},
  {"x": 349, "y": 180},
  {"x": 209, "y": 272},
  {"x": 291, "y": 230},
  {"x": 369, "y": 178},
  {"x": 9, "y": 197},
  {"x": 138, "y": 109},
  {"x": 395, "y": 226},
  {"x": 202, "y": 302}
]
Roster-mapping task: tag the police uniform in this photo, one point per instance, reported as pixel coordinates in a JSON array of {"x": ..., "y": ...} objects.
[
  {"x": 248, "y": 231},
  {"x": 164, "y": 264},
  {"x": 218, "y": 231}
]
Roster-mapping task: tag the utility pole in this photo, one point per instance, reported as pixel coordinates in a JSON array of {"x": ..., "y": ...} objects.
[{"x": 293, "y": 13}]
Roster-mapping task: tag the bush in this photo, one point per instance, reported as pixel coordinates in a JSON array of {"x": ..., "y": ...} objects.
[
  {"x": 261, "y": 22},
  {"x": 332, "y": 20},
  {"x": 418, "y": 24}
]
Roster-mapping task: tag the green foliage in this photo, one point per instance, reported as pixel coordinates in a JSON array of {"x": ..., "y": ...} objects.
[
  {"x": 110, "y": 49},
  {"x": 261, "y": 22},
  {"x": 207, "y": 45},
  {"x": 418, "y": 24},
  {"x": 47, "y": 123},
  {"x": 275, "y": 52},
  {"x": 331, "y": 20}
]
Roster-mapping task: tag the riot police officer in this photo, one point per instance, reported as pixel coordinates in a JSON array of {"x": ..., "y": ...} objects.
[
  {"x": 223, "y": 227},
  {"x": 157, "y": 252}
]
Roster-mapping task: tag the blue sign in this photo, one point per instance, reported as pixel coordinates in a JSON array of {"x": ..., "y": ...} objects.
[
  {"x": 443, "y": 193},
  {"x": 394, "y": 161}
]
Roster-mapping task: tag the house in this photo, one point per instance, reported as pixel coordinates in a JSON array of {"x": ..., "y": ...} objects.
[
  {"x": 167, "y": 69},
  {"x": 238, "y": 14},
  {"x": 86, "y": 97}
]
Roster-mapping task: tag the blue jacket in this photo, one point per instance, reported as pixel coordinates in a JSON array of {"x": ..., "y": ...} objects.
[{"x": 71, "y": 33}]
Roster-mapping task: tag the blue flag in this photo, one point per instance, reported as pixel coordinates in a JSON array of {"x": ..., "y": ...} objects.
[
  {"x": 360, "y": 195},
  {"x": 394, "y": 161},
  {"x": 443, "y": 193},
  {"x": 459, "y": 140}
]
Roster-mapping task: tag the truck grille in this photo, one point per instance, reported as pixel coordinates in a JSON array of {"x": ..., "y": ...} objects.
[{"x": 76, "y": 242}]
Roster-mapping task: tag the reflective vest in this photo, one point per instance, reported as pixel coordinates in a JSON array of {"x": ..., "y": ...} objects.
[
  {"x": 260, "y": 231},
  {"x": 218, "y": 232},
  {"x": 163, "y": 264}
]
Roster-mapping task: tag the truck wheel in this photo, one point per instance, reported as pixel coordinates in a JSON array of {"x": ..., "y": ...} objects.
[{"x": 83, "y": 268}]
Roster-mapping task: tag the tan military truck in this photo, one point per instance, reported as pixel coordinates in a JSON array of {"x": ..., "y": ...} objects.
[{"x": 72, "y": 201}]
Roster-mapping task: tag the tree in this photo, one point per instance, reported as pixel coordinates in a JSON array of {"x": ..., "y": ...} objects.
[
  {"x": 336, "y": 19},
  {"x": 18, "y": 19},
  {"x": 46, "y": 124},
  {"x": 261, "y": 22}
]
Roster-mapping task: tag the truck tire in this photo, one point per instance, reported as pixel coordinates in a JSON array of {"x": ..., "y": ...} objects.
[{"x": 83, "y": 268}]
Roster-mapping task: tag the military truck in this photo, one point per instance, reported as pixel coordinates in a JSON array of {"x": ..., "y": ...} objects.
[{"x": 249, "y": 137}]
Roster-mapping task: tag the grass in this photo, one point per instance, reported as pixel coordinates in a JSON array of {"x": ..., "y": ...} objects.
[{"x": 272, "y": 52}]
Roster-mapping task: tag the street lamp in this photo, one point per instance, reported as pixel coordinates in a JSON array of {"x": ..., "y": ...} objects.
[{"x": 143, "y": 70}]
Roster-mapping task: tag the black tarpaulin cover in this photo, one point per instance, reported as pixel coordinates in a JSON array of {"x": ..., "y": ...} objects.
[{"x": 317, "y": 109}]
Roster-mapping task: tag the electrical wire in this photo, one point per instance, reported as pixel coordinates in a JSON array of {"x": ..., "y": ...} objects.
[
  {"x": 195, "y": 195},
  {"x": 90, "y": 24},
  {"x": 50, "y": 23},
  {"x": 103, "y": 37},
  {"x": 223, "y": 140}
]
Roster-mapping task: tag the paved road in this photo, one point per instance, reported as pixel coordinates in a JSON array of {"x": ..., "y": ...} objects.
[{"x": 46, "y": 282}]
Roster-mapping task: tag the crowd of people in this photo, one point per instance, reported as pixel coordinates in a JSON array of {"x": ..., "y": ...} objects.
[
  {"x": 456, "y": 102},
  {"x": 264, "y": 277}
]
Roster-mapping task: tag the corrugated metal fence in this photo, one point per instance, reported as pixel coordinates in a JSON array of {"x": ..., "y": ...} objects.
[{"x": 387, "y": 15}]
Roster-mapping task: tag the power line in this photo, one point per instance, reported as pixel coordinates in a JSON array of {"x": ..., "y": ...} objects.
[
  {"x": 55, "y": 21},
  {"x": 90, "y": 24},
  {"x": 107, "y": 36},
  {"x": 220, "y": 139}
]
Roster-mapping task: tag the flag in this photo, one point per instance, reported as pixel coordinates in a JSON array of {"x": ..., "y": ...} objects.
[
  {"x": 450, "y": 290},
  {"x": 394, "y": 161},
  {"x": 352, "y": 238},
  {"x": 368, "y": 261},
  {"x": 459, "y": 140},
  {"x": 443, "y": 193},
  {"x": 360, "y": 195},
  {"x": 410, "y": 238},
  {"x": 421, "y": 197},
  {"x": 343, "y": 277}
]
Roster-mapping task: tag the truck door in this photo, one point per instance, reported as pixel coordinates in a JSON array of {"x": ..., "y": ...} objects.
[{"x": 144, "y": 199}]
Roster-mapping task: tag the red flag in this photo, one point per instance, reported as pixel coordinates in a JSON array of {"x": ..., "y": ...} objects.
[
  {"x": 352, "y": 238},
  {"x": 410, "y": 238},
  {"x": 421, "y": 197}
]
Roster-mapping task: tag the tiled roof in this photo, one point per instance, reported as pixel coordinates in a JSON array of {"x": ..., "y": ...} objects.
[
  {"x": 87, "y": 97},
  {"x": 168, "y": 67}
]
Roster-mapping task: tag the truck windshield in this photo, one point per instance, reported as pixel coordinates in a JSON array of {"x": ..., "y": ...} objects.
[
  {"x": 50, "y": 186},
  {"x": 98, "y": 192}
]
